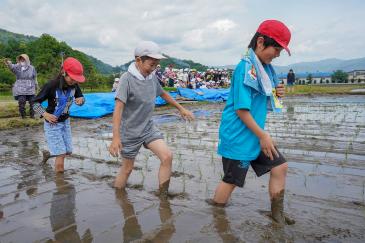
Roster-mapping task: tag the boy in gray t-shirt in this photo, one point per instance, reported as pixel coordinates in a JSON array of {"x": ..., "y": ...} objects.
[{"x": 132, "y": 117}]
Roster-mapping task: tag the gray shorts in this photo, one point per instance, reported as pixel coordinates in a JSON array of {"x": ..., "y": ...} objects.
[{"x": 131, "y": 147}]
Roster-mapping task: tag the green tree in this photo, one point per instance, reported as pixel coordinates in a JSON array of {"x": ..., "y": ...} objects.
[
  {"x": 44, "y": 53},
  {"x": 339, "y": 76}
]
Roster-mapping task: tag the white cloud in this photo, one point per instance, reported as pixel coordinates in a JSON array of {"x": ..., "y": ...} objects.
[
  {"x": 223, "y": 25},
  {"x": 210, "y": 32}
]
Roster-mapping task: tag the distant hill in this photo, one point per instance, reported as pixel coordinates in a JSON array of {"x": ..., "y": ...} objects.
[
  {"x": 177, "y": 63},
  {"x": 322, "y": 66},
  {"x": 326, "y": 65},
  {"x": 5, "y": 36},
  {"x": 102, "y": 67}
]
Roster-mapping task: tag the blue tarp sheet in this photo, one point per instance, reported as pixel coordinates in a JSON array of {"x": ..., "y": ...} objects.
[
  {"x": 101, "y": 104},
  {"x": 213, "y": 95}
]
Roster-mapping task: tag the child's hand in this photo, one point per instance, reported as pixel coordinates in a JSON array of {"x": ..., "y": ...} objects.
[
  {"x": 50, "y": 117},
  {"x": 115, "y": 147},
  {"x": 79, "y": 101},
  {"x": 267, "y": 146},
  {"x": 280, "y": 90},
  {"x": 186, "y": 114}
]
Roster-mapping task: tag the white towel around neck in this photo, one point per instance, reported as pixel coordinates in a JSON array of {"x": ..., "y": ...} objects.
[{"x": 265, "y": 80}]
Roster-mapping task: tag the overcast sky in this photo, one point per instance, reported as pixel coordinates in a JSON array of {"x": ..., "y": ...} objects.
[{"x": 212, "y": 32}]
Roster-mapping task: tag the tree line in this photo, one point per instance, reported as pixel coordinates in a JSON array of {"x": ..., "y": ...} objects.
[{"x": 45, "y": 54}]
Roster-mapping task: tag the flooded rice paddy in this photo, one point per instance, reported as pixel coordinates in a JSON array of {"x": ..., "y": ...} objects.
[{"x": 323, "y": 139}]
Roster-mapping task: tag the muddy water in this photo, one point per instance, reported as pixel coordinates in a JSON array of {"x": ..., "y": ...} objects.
[{"x": 323, "y": 139}]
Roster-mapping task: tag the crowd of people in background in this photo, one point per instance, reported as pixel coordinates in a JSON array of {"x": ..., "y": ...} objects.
[
  {"x": 193, "y": 79},
  {"x": 190, "y": 78}
]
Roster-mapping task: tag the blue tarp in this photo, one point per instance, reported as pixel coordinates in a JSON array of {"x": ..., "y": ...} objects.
[
  {"x": 96, "y": 105},
  {"x": 213, "y": 95},
  {"x": 101, "y": 104}
]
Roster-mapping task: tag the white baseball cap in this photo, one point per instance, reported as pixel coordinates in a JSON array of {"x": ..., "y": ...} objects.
[{"x": 148, "y": 48}]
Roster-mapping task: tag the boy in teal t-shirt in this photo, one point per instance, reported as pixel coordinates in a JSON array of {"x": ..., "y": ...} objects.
[{"x": 242, "y": 138}]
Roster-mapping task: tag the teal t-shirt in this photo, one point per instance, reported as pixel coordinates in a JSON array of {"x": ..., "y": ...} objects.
[{"x": 236, "y": 141}]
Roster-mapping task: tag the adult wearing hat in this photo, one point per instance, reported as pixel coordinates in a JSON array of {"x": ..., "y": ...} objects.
[
  {"x": 115, "y": 84},
  {"x": 26, "y": 83}
]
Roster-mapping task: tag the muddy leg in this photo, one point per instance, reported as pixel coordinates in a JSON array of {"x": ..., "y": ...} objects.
[
  {"x": 59, "y": 164},
  {"x": 163, "y": 189},
  {"x": 46, "y": 156},
  {"x": 123, "y": 174},
  {"x": 277, "y": 210},
  {"x": 222, "y": 194},
  {"x": 276, "y": 191},
  {"x": 162, "y": 151}
]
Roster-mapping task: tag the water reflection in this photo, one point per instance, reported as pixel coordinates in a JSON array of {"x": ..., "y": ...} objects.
[
  {"x": 223, "y": 226},
  {"x": 28, "y": 175},
  {"x": 132, "y": 229},
  {"x": 167, "y": 227},
  {"x": 62, "y": 214}
]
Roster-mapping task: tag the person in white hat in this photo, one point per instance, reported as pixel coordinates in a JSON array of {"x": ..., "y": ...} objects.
[
  {"x": 115, "y": 84},
  {"x": 26, "y": 85},
  {"x": 132, "y": 118}
]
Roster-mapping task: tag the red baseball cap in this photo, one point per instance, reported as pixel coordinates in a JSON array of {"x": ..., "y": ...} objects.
[
  {"x": 276, "y": 30},
  {"x": 74, "y": 69}
]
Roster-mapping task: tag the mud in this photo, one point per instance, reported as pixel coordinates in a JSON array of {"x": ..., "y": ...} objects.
[{"x": 323, "y": 139}]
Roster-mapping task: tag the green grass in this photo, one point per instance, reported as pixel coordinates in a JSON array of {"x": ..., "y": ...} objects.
[
  {"x": 170, "y": 89},
  {"x": 17, "y": 122},
  {"x": 326, "y": 89},
  {"x": 97, "y": 90},
  {"x": 8, "y": 109}
]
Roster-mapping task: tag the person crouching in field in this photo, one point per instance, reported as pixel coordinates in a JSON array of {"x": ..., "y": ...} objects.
[
  {"x": 242, "y": 138},
  {"x": 60, "y": 93},
  {"x": 132, "y": 118}
]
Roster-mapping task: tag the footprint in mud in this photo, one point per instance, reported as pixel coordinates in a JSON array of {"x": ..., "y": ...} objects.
[
  {"x": 98, "y": 161},
  {"x": 178, "y": 174},
  {"x": 137, "y": 168},
  {"x": 104, "y": 127},
  {"x": 106, "y": 177},
  {"x": 288, "y": 220},
  {"x": 172, "y": 195},
  {"x": 357, "y": 203},
  {"x": 93, "y": 177},
  {"x": 138, "y": 187}
]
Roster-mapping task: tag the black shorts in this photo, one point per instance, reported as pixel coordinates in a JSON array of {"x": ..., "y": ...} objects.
[{"x": 235, "y": 171}]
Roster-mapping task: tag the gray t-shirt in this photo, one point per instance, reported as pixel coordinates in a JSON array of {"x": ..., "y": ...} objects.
[{"x": 139, "y": 99}]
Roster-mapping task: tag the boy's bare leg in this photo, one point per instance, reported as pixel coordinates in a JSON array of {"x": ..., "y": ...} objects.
[
  {"x": 59, "y": 163},
  {"x": 277, "y": 179},
  {"x": 162, "y": 151},
  {"x": 223, "y": 193},
  {"x": 124, "y": 171},
  {"x": 277, "y": 191}
]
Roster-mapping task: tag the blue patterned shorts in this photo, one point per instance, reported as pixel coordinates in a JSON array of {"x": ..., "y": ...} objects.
[{"x": 58, "y": 137}]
